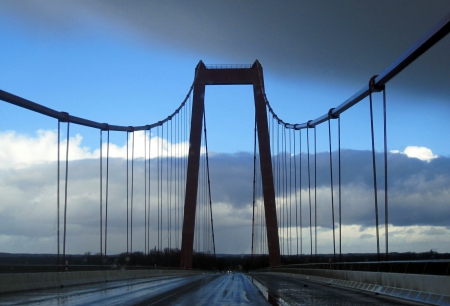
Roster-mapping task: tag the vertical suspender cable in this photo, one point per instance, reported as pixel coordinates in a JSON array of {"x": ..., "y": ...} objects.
[
  {"x": 176, "y": 183},
  {"x": 145, "y": 191},
  {"x": 374, "y": 168},
  {"x": 315, "y": 192},
  {"x": 285, "y": 190},
  {"x": 204, "y": 204},
  {"x": 161, "y": 186},
  {"x": 158, "y": 154},
  {"x": 167, "y": 189},
  {"x": 209, "y": 191},
  {"x": 290, "y": 190},
  {"x": 179, "y": 156},
  {"x": 128, "y": 133},
  {"x": 65, "y": 193},
  {"x": 331, "y": 185},
  {"x": 180, "y": 176},
  {"x": 182, "y": 167},
  {"x": 386, "y": 211},
  {"x": 272, "y": 148},
  {"x": 177, "y": 180},
  {"x": 132, "y": 195},
  {"x": 257, "y": 241},
  {"x": 340, "y": 197},
  {"x": 107, "y": 185},
  {"x": 283, "y": 172},
  {"x": 295, "y": 192},
  {"x": 278, "y": 187},
  {"x": 262, "y": 222},
  {"x": 149, "y": 185},
  {"x": 254, "y": 188},
  {"x": 101, "y": 195},
  {"x": 300, "y": 185},
  {"x": 274, "y": 170},
  {"x": 309, "y": 190},
  {"x": 170, "y": 182},
  {"x": 57, "y": 191}
]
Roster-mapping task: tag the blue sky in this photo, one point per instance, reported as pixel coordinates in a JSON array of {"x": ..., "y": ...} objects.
[
  {"x": 133, "y": 65},
  {"x": 101, "y": 69}
]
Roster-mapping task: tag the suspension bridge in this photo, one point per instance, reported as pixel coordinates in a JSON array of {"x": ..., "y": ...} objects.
[{"x": 171, "y": 184}]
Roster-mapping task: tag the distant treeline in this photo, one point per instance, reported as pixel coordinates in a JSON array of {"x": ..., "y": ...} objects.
[{"x": 203, "y": 261}]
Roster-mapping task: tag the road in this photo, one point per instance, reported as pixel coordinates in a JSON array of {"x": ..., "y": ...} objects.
[{"x": 206, "y": 289}]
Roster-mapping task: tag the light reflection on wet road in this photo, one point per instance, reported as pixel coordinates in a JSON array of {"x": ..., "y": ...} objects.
[
  {"x": 207, "y": 289},
  {"x": 230, "y": 289}
]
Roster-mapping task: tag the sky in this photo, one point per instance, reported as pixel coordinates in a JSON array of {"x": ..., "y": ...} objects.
[{"x": 133, "y": 64}]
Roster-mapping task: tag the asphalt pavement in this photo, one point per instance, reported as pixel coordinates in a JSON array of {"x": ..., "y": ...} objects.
[{"x": 206, "y": 289}]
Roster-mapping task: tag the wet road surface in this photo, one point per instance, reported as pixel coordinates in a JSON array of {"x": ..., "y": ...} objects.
[
  {"x": 229, "y": 289},
  {"x": 129, "y": 292},
  {"x": 206, "y": 289}
]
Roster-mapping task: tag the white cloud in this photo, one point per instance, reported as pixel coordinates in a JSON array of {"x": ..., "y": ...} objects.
[
  {"x": 422, "y": 153},
  {"x": 19, "y": 151}
]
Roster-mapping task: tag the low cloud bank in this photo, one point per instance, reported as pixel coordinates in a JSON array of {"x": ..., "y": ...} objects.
[{"x": 418, "y": 197}]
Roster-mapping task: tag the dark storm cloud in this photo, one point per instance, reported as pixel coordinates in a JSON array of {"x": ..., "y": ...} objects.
[
  {"x": 231, "y": 178},
  {"x": 345, "y": 42},
  {"x": 418, "y": 190}
]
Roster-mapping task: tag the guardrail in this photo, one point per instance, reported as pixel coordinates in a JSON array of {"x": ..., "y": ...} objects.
[
  {"x": 17, "y": 282},
  {"x": 424, "y": 267},
  {"x": 14, "y": 268}
]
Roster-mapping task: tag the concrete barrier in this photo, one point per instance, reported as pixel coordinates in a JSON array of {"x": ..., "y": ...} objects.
[
  {"x": 16, "y": 282},
  {"x": 432, "y": 289}
]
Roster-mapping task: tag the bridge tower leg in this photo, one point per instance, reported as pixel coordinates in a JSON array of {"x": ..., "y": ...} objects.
[
  {"x": 190, "y": 201},
  {"x": 265, "y": 157},
  {"x": 250, "y": 76}
]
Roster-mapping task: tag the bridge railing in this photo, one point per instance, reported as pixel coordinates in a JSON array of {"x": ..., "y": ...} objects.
[
  {"x": 23, "y": 268},
  {"x": 426, "y": 267},
  {"x": 222, "y": 66}
]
